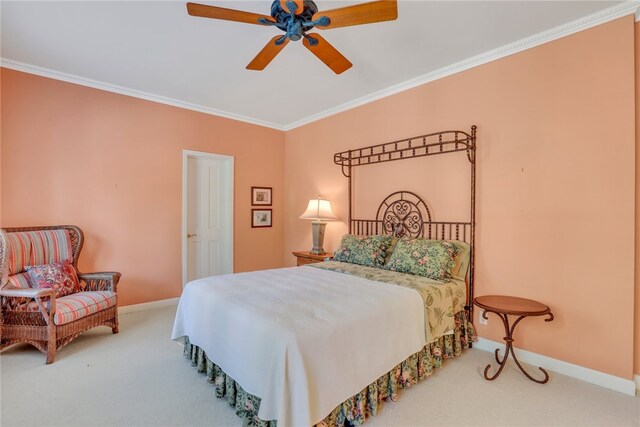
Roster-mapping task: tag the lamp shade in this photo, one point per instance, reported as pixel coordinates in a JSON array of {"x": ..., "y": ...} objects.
[{"x": 319, "y": 210}]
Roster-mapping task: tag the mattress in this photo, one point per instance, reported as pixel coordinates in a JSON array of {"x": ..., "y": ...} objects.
[{"x": 305, "y": 339}]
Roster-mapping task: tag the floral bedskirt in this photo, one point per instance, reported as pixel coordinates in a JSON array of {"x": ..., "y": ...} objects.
[{"x": 358, "y": 408}]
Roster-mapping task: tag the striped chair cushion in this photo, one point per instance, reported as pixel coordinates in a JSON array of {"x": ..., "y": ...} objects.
[
  {"x": 36, "y": 248},
  {"x": 75, "y": 306}
]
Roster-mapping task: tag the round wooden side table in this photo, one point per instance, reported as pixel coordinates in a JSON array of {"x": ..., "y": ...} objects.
[{"x": 503, "y": 306}]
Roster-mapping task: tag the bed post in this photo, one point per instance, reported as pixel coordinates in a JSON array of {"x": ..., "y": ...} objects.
[
  {"x": 472, "y": 159},
  {"x": 350, "y": 195}
]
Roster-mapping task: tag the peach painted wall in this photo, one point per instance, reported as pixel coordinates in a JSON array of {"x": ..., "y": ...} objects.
[
  {"x": 556, "y": 193},
  {"x": 112, "y": 164}
]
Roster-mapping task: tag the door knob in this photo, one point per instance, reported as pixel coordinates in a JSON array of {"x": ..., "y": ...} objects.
[{"x": 190, "y": 235}]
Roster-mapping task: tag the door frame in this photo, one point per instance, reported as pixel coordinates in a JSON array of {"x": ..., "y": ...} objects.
[{"x": 229, "y": 161}]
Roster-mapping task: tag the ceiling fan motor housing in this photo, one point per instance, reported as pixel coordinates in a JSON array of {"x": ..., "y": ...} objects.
[{"x": 294, "y": 25}]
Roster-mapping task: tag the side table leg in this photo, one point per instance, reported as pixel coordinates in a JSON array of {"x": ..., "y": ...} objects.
[
  {"x": 508, "y": 340},
  {"x": 543, "y": 381},
  {"x": 546, "y": 375}
]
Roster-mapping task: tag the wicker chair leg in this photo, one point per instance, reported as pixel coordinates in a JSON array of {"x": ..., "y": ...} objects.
[
  {"x": 51, "y": 345},
  {"x": 115, "y": 329}
]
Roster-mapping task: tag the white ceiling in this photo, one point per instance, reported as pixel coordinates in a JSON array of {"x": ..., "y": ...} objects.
[{"x": 156, "y": 48}]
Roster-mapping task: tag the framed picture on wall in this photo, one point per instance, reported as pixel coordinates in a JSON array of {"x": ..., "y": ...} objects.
[
  {"x": 261, "y": 196},
  {"x": 260, "y": 218}
]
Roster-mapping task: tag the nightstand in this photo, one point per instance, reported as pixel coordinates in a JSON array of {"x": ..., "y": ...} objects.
[
  {"x": 306, "y": 257},
  {"x": 504, "y": 306}
]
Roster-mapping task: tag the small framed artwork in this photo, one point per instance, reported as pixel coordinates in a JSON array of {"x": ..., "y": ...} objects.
[
  {"x": 260, "y": 218},
  {"x": 261, "y": 196}
]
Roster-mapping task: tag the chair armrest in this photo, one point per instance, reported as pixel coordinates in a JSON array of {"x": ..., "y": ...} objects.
[
  {"x": 45, "y": 299},
  {"x": 27, "y": 293},
  {"x": 102, "y": 281}
]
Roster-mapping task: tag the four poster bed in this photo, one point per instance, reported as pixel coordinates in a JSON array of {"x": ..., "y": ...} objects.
[{"x": 327, "y": 343}]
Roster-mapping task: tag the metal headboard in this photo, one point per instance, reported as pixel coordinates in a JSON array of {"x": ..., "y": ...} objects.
[{"x": 404, "y": 213}]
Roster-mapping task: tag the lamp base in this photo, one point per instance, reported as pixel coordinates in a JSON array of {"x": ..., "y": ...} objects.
[{"x": 317, "y": 232}]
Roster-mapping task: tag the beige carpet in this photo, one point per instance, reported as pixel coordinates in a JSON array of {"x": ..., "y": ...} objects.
[{"x": 139, "y": 378}]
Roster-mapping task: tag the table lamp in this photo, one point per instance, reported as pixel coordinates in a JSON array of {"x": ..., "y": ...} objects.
[{"x": 318, "y": 211}]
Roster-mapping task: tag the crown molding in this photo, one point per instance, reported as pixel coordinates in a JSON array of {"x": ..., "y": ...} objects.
[
  {"x": 601, "y": 17},
  {"x": 82, "y": 81}
]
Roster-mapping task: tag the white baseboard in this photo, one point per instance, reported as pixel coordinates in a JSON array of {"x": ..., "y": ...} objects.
[
  {"x": 638, "y": 383},
  {"x": 148, "y": 306},
  {"x": 565, "y": 368}
]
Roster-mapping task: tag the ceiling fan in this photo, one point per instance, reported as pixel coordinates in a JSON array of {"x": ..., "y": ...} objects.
[{"x": 295, "y": 18}]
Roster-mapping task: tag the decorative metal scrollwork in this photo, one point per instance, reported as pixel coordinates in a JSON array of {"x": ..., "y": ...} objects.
[{"x": 403, "y": 214}]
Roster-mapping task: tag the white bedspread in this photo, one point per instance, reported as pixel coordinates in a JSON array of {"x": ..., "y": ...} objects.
[{"x": 302, "y": 339}]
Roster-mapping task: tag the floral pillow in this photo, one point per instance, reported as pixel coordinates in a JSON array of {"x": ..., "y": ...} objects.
[
  {"x": 59, "y": 276},
  {"x": 364, "y": 250},
  {"x": 430, "y": 258}
]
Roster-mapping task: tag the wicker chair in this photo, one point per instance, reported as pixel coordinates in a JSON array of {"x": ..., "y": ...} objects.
[{"x": 30, "y": 315}]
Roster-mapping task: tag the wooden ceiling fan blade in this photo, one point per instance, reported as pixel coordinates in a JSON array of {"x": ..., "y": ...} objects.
[
  {"x": 365, "y": 13},
  {"x": 327, "y": 54},
  {"x": 214, "y": 12},
  {"x": 266, "y": 55}
]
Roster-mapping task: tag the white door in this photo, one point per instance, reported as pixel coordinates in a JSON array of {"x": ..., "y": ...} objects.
[{"x": 208, "y": 220}]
